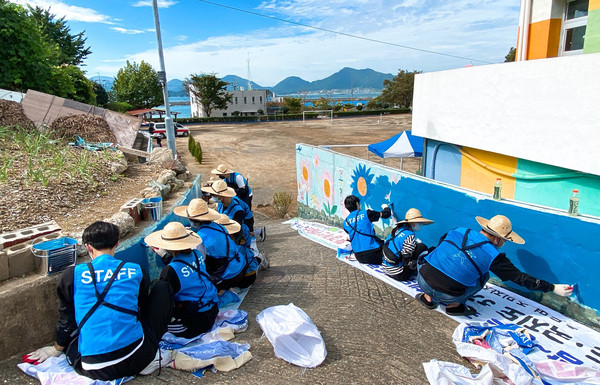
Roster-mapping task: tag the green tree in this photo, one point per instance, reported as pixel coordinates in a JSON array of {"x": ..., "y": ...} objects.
[
  {"x": 293, "y": 104},
  {"x": 137, "y": 85},
  {"x": 68, "y": 81},
  {"x": 209, "y": 90},
  {"x": 323, "y": 104},
  {"x": 400, "y": 89},
  {"x": 72, "y": 49},
  {"x": 26, "y": 57},
  {"x": 101, "y": 95},
  {"x": 510, "y": 56}
]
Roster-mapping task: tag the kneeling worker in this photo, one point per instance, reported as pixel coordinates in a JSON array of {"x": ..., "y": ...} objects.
[
  {"x": 459, "y": 266},
  {"x": 107, "y": 322},
  {"x": 366, "y": 246},
  {"x": 195, "y": 295}
]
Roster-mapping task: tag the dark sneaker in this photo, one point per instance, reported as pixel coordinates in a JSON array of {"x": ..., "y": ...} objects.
[
  {"x": 428, "y": 304},
  {"x": 461, "y": 310}
]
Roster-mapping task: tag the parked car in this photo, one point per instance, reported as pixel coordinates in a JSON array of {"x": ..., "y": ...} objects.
[{"x": 161, "y": 129}]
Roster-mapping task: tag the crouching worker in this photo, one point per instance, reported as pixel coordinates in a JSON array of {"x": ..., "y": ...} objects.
[
  {"x": 224, "y": 264},
  {"x": 236, "y": 181},
  {"x": 459, "y": 266},
  {"x": 242, "y": 238},
  {"x": 108, "y": 324},
  {"x": 401, "y": 249},
  {"x": 366, "y": 246},
  {"x": 195, "y": 295}
]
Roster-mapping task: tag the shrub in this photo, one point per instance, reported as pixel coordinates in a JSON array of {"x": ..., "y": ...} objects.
[
  {"x": 195, "y": 148},
  {"x": 260, "y": 112},
  {"x": 235, "y": 113},
  {"x": 282, "y": 201},
  {"x": 359, "y": 107}
]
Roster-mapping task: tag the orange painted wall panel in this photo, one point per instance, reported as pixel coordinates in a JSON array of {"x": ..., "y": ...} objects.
[
  {"x": 475, "y": 177},
  {"x": 594, "y": 4},
  {"x": 544, "y": 38}
]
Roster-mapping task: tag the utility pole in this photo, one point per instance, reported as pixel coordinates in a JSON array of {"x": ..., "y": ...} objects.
[{"x": 162, "y": 78}]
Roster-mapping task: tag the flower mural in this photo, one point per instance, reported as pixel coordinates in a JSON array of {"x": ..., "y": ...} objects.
[
  {"x": 305, "y": 172},
  {"x": 362, "y": 182},
  {"x": 328, "y": 192},
  {"x": 316, "y": 160}
]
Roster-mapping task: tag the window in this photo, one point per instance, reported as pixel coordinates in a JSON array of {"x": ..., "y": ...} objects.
[
  {"x": 574, "y": 25},
  {"x": 224, "y": 113},
  {"x": 245, "y": 101},
  {"x": 253, "y": 100},
  {"x": 260, "y": 100},
  {"x": 236, "y": 100}
]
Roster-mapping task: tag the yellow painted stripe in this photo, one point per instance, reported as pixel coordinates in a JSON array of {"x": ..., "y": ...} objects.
[
  {"x": 544, "y": 38},
  {"x": 594, "y": 4},
  {"x": 475, "y": 177}
]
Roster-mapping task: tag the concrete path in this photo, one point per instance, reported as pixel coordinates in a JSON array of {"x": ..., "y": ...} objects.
[{"x": 374, "y": 333}]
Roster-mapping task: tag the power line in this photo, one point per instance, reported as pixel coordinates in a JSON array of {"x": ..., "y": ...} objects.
[{"x": 343, "y": 33}]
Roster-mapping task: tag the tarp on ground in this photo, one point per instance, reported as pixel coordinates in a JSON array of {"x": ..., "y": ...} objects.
[{"x": 402, "y": 145}]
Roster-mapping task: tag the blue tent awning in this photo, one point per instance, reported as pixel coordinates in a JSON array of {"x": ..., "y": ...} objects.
[{"x": 402, "y": 145}]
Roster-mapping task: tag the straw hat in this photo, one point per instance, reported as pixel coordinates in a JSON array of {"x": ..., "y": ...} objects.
[
  {"x": 221, "y": 170},
  {"x": 197, "y": 210},
  {"x": 212, "y": 180},
  {"x": 219, "y": 188},
  {"x": 500, "y": 226},
  {"x": 173, "y": 237},
  {"x": 414, "y": 216},
  {"x": 229, "y": 224}
]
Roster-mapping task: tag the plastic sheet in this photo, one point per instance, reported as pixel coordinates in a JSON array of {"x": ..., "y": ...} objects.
[{"x": 294, "y": 336}]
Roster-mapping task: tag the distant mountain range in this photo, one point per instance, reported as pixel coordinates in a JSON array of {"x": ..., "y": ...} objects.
[{"x": 345, "y": 79}]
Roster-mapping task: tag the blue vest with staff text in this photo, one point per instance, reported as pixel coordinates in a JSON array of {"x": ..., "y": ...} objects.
[
  {"x": 230, "y": 180},
  {"x": 396, "y": 243},
  {"x": 195, "y": 287},
  {"x": 361, "y": 232},
  {"x": 219, "y": 245},
  {"x": 450, "y": 257},
  {"x": 107, "y": 330}
]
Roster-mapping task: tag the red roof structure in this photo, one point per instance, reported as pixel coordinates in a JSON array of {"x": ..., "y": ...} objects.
[{"x": 147, "y": 113}]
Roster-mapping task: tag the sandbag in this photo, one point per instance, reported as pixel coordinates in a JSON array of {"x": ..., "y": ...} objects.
[{"x": 294, "y": 337}]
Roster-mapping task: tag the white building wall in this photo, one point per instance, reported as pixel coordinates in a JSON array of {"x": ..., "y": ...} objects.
[
  {"x": 546, "y": 111},
  {"x": 246, "y": 102}
]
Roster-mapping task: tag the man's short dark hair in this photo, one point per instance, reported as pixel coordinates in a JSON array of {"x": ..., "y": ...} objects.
[
  {"x": 351, "y": 202},
  {"x": 101, "y": 235}
]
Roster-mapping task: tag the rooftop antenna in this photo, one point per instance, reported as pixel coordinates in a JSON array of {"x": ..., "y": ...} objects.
[{"x": 249, "y": 75}]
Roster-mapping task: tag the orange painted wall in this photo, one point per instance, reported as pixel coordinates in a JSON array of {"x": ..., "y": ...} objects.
[
  {"x": 544, "y": 38},
  {"x": 475, "y": 177},
  {"x": 594, "y": 4}
]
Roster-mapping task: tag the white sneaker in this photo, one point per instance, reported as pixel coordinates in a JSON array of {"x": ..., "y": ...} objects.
[
  {"x": 162, "y": 358},
  {"x": 264, "y": 262},
  {"x": 262, "y": 234}
]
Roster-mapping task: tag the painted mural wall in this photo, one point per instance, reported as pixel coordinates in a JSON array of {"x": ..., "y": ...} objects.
[
  {"x": 529, "y": 181},
  {"x": 558, "y": 248}
]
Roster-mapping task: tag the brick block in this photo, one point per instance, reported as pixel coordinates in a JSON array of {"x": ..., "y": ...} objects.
[
  {"x": 134, "y": 207},
  {"x": 19, "y": 236},
  {"x": 20, "y": 259},
  {"x": 4, "y": 273}
]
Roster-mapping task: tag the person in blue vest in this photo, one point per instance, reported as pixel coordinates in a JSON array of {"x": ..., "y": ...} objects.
[
  {"x": 109, "y": 325},
  {"x": 402, "y": 248},
  {"x": 224, "y": 264},
  {"x": 236, "y": 181},
  {"x": 459, "y": 266},
  {"x": 195, "y": 295},
  {"x": 241, "y": 236},
  {"x": 234, "y": 207},
  {"x": 366, "y": 246}
]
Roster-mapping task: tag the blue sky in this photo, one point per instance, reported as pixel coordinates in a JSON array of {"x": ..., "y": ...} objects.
[{"x": 205, "y": 38}]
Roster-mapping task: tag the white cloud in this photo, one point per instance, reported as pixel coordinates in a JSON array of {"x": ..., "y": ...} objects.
[
  {"x": 160, "y": 3},
  {"x": 114, "y": 60},
  {"x": 128, "y": 31},
  {"x": 476, "y": 29},
  {"x": 70, "y": 12},
  {"x": 182, "y": 38}
]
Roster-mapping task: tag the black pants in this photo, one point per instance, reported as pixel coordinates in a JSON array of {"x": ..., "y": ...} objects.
[
  {"x": 231, "y": 282},
  {"x": 196, "y": 323},
  {"x": 370, "y": 257},
  {"x": 154, "y": 318},
  {"x": 247, "y": 280},
  {"x": 250, "y": 223}
]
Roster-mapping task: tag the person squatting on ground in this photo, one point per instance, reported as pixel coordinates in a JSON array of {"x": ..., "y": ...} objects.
[
  {"x": 195, "y": 295},
  {"x": 242, "y": 238},
  {"x": 108, "y": 325},
  {"x": 459, "y": 266},
  {"x": 224, "y": 264},
  {"x": 402, "y": 248},
  {"x": 366, "y": 246}
]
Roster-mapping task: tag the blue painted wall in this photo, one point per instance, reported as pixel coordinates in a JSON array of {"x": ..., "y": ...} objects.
[
  {"x": 134, "y": 249},
  {"x": 443, "y": 160},
  {"x": 558, "y": 248}
]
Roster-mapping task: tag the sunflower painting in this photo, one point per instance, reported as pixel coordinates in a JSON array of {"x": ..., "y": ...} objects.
[
  {"x": 328, "y": 191},
  {"x": 362, "y": 182}
]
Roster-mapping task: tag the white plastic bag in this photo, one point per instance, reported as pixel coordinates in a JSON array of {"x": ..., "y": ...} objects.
[{"x": 293, "y": 335}]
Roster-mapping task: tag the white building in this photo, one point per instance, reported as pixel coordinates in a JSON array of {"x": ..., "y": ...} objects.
[{"x": 247, "y": 103}]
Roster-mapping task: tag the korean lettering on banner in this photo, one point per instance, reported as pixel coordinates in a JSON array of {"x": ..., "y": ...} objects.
[{"x": 561, "y": 344}]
